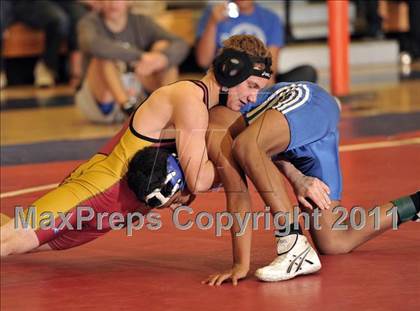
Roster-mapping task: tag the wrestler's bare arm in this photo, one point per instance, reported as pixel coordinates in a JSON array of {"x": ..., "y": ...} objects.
[
  {"x": 191, "y": 121},
  {"x": 223, "y": 123},
  {"x": 305, "y": 187}
]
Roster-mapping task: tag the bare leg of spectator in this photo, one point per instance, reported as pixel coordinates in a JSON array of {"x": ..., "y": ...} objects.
[
  {"x": 104, "y": 80},
  {"x": 158, "y": 79}
]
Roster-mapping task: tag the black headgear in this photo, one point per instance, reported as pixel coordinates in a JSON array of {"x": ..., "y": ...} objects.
[{"x": 231, "y": 67}]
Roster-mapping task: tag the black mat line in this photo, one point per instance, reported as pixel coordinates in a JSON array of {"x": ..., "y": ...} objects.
[
  {"x": 32, "y": 102},
  {"x": 65, "y": 150},
  {"x": 380, "y": 125},
  {"x": 52, "y": 151}
]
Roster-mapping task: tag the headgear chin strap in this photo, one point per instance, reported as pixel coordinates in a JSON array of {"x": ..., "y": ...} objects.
[{"x": 174, "y": 182}]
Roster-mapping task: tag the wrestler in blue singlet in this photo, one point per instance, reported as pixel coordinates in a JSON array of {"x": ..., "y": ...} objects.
[{"x": 313, "y": 115}]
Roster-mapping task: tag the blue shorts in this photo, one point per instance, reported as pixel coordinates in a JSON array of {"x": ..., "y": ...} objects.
[{"x": 312, "y": 115}]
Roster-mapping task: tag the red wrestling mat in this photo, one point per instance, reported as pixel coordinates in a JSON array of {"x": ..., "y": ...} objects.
[{"x": 162, "y": 270}]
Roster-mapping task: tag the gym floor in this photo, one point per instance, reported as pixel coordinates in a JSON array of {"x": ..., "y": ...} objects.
[{"x": 43, "y": 138}]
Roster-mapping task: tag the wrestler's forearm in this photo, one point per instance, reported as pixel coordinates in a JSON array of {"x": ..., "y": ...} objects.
[
  {"x": 241, "y": 232},
  {"x": 238, "y": 202},
  {"x": 289, "y": 170},
  {"x": 238, "y": 205}
]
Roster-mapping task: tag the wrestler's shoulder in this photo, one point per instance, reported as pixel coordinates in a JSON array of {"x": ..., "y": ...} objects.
[{"x": 184, "y": 92}]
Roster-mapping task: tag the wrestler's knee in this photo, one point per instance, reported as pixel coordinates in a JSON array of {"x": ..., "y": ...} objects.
[
  {"x": 333, "y": 245},
  {"x": 243, "y": 148}
]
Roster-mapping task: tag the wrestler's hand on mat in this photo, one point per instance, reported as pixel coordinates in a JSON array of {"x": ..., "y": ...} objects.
[
  {"x": 315, "y": 190},
  {"x": 235, "y": 274}
]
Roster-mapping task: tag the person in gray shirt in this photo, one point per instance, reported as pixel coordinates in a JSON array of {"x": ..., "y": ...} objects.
[{"x": 125, "y": 56}]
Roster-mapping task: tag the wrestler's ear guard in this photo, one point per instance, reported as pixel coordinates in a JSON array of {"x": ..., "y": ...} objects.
[
  {"x": 231, "y": 67},
  {"x": 173, "y": 183}
]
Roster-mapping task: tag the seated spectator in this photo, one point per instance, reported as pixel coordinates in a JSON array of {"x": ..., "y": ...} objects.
[
  {"x": 215, "y": 26},
  {"x": 123, "y": 53},
  {"x": 57, "y": 18},
  {"x": 75, "y": 10},
  {"x": 367, "y": 10},
  {"x": 414, "y": 33},
  {"x": 6, "y": 18}
]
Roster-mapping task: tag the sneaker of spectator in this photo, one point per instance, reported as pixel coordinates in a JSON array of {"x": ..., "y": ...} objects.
[{"x": 44, "y": 77}]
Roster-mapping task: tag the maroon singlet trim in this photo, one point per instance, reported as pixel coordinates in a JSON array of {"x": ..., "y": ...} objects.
[{"x": 205, "y": 91}]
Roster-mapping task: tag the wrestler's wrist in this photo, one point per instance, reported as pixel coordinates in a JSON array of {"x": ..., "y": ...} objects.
[
  {"x": 295, "y": 177},
  {"x": 245, "y": 266},
  {"x": 291, "y": 173}
]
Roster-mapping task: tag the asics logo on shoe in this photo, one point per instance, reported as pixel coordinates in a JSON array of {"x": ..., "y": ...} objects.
[{"x": 302, "y": 257}]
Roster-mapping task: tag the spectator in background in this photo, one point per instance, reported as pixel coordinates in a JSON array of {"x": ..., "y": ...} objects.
[
  {"x": 368, "y": 10},
  {"x": 57, "y": 18},
  {"x": 93, "y": 5},
  {"x": 215, "y": 26},
  {"x": 414, "y": 33},
  {"x": 75, "y": 10},
  {"x": 6, "y": 18},
  {"x": 123, "y": 53}
]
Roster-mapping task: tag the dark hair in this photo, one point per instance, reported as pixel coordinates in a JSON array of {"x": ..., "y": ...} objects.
[{"x": 147, "y": 171}]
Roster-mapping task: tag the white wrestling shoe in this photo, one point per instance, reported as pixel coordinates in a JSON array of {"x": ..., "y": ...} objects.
[{"x": 296, "y": 257}]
